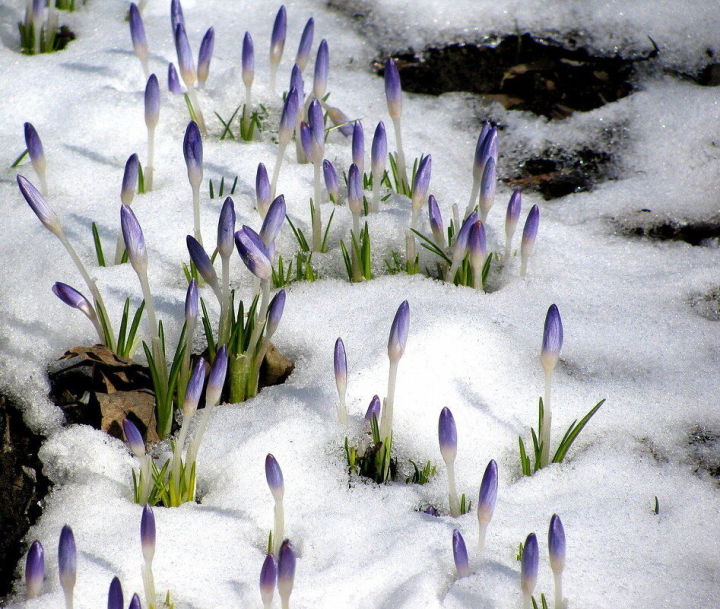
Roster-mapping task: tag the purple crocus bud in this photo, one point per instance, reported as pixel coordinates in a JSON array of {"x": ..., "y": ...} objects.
[
  {"x": 205, "y": 56},
  {"x": 358, "y": 146},
  {"x": 268, "y": 580},
  {"x": 552, "y": 339},
  {"x": 71, "y": 297},
  {"x": 248, "y": 60},
  {"x": 373, "y": 409},
  {"x": 173, "y": 80},
  {"x": 460, "y": 554},
  {"x": 193, "y": 152},
  {"x": 477, "y": 245},
  {"x": 331, "y": 181},
  {"x": 147, "y": 533},
  {"x": 483, "y": 149},
  {"x": 135, "y": 602},
  {"x": 216, "y": 377},
  {"x": 399, "y": 332},
  {"x": 115, "y": 595},
  {"x": 274, "y": 477},
  {"x": 253, "y": 252},
  {"x": 488, "y": 493},
  {"x": 297, "y": 82},
  {"x": 556, "y": 544},
  {"x": 431, "y": 510},
  {"x": 134, "y": 240},
  {"x": 202, "y": 261},
  {"x": 38, "y": 10},
  {"x": 529, "y": 565},
  {"x": 134, "y": 439},
  {"x": 193, "y": 391},
  {"x": 130, "y": 179},
  {"x": 176, "y": 14},
  {"x": 355, "y": 191},
  {"x": 262, "y": 190},
  {"x": 184, "y": 56},
  {"x": 226, "y": 229},
  {"x": 67, "y": 560},
  {"x": 137, "y": 33},
  {"x": 447, "y": 436},
  {"x": 38, "y": 204},
  {"x": 513, "y": 213},
  {"x": 286, "y": 571},
  {"x": 393, "y": 89},
  {"x": 340, "y": 362},
  {"x": 529, "y": 235},
  {"x": 273, "y": 221},
  {"x": 152, "y": 102},
  {"x": 487, "y": 187},
  {"x": 340, "y": 120},
  {"x": 277, "y": 39},
  {"x": 288, "y": 118},
  {"x": 421, "y": 183},
  {"x": 461, "y": 241},
  {"x": 35, "y": 148},
  {"x": 191, "y": 304},
  {"x": 306, "y": 40},
  {"x": 322, "y": 68},
  {"x": 34, "y": 570},
  {"x": 317, "y": 123},
  {"x": 308, "y": 142},
  {"x": 275, "y": 312},
  {"x": 436, "y": 221},
  {"x": 378, "y": 152}
]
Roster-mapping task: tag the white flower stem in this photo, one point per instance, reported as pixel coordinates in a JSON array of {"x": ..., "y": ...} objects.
[
  {"x": 278, "y": 163},
  {"x": 482, "y": 531},
  {"x": 400, "y": 154},
  {"x": 473, "y": 197},
  {"x": 149, "y": 584},
  {"x": 386, "y": 419},
  {"x": 452, "y": 491},
  {"x": 198, "y": 113},
  {"x": 354, "y": 262},
  {"x": 559, "y": 603},
  {"x": 177, "y": 455},
  {"x": 150, "y": 166},
  {"x": 375, "y": 202},
  {"x": 196, "y": 212},
  {"x": 527, "y": 603},
  {"x": 273, "y": 77},
  {"x": 69, "y": 599},
  {"x": 224, "y": 326},
  {"x": 546, "y": 421},
  {"x": 279, "y": 527},
  {"x": 247, "y": 110},
  {"x": 316, "y": 216}
]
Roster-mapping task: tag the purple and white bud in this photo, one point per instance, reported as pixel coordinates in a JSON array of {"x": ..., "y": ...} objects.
[
  {"x": 552, "y": 339},
  {"x": 399, "y": 332},
  {"x": 268, "y": 580},
  {"x": 202, "y": 261},
  {"x": 176, "y": 14},
  {"x": 67, "y": 561},
  {"x": 274, "y": 314},
  {"x": 306, "y": 40},
  {"x": 460, "y": 555},
  {"x": 512, "y": 215},
  {"x": 447, "y": 436},
  {"x": 286, "y": 571},
  {"x": 340, "y": 363},
  {"x": 130, "y": 179},
  {"x": 378, "y": 152},
  {"x": 529, "y": 235},
  {"x": 191, "y": 305},
  {"x": 317, "y": 124},
  {"x": 186, "y": 63},
  {"x": 488, "y": 493},
  {"x": 477, "y": 246},
  {"x": 340, "y": 120},
  {"x": 226, "y": 229},
  {"x": 135, "y": 602},
  {"x": 134, "y": 439},
  {"x": 331, "y": 181},
  {"x": 297, "y": 81},
  {"x": 193, "y": 152},
  {"x": 34, "y": 570},
  {"x": 216, "y": 377},
  {"x": 194, "y": 388},
  {"x": 436, "y": 222},
  {"x": 173, "y": 80},
  {"x": 248, "y": 60},
  {"x": 207, "y": 45},
  {"x": 355, "y": 191},
  {"x": 152, "y": 102},
  {"x": 308, "y": 142},
  {"x": 556, "y": 544},
  {"x": 529, "y": 565},
  {"x": 35, "y": 150},
  {"x": 358, "y": 146},
  {"x": 71, "y": 297},
  {"x": 137, "y": 34},
  {"x": 115, "y": 595},
  {"x": 288, "y": 118},
  {"x": 421, "y": 183},
  {"x": 253, "y": 252},
  {"x": 38, "y": 204},
  {"x": 393, "y": 89},
  {"x": 487, "y": 188},
  {"x": 262, "y": 190},
  {"x": 322, "y": 68},
  {"x": 274, "y": 477},
  {"x": 147, "y": 533},
  {"x": 463, "y": 236},
  {"x": 277, "y": 39},
  {"x": 134, "y": 240},
  {"x": 273, "y": 221},
  {"x": 485, "y": 149},
  {"x": 373, "y": 409}
]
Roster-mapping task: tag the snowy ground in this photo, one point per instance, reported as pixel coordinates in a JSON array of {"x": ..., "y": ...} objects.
[{"x": 631, "y": 335}]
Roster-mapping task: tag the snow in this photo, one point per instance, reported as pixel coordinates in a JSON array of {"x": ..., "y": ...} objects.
[{"x": 631, "y": 335}]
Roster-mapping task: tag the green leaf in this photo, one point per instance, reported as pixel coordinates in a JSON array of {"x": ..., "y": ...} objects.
[
  {"x": 18, "y": 160},
  {"x": 98, "y": 245},
  {"x": 573, "y": 433}
]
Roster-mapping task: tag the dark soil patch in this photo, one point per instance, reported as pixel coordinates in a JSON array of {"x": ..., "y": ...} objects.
[
  {"x": 22, "y": 488},
  {"x": 706, "y": 305},
  {"x": 524, "y": 72},
  {"x": 705, "y": 450},
  {"x": 646, "y": 223}
]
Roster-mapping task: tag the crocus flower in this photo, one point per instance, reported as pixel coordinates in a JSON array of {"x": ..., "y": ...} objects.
[
  {"x": 184, "y": 56},
  {"x": 511, "y": 218},
  {"x": 176, "y": 14},
  {"x": 355, "y": 192},
  {"x": 194, "y": 388},
  {"x": 378, "y": 152},
  {"x": 202, "y": 262},
  {"x": 115, "y": 595},
  {"x": 262, "y": 190},
  {"x": 322, "y": 68},
  {"x": 205, "y": 56},
  {"x": 307, "y": 141},
  {"x": 487, "y": 499},
  {"x": 487, "y": 188},
  {"x": 288, "y": 117},
  {"x": 528, "y": 237},
  {"x": 317, "y": 124},
  {"x": 137, "y": 34},
  {"x": 447, "y": 437},
  {"x": 147, "y": 533},
  {"x": 173, "y": 80},
  {"x": 226, "y": 229},
  {"x": 67, "y": 563},
  {"x": 248, "y": 60},
  {"x": 340, "y": 120},
  {"x": 393, "y": 89},
  {"x": 38, "y": 204},
  {"x": 152, "y": 102},
  {"x": 286, "y": 572},
  {"x": 399, "y": 332},
  {"x": 358, "y": 146},
  {"x": 556, "y": 544},
  {"x": 274, "y": 477},
  {"x": 552, "y": 339},
  {"x": 135, "y": 602},
  {"x": 421, "y": 183},
  {"x": 460, "y": 245},
  {"x": 480, "y": 152},
  {"x": 130, "y": 179},
  {"x": 477, "y": 246},
  {"x": 191, "y": 304},
  {"x": 297, "y": 82},
  {"x": 462, "y": 564},
  {"x": 71, "y": 297},
  {"x": 274, "y": 314},
  {"x": 273, "y": 221},
  {"x": 216, "y": 377},
  {"x": 134, "y": 439},
  {"x": 306, "y": 40},
  {"x": 193, "y": 153},
  {"x": 277, "y": 43},
  {"x": 340, "y": 363},
  {"x": 331, "y": 181},
  {"x": 36, "y": 153},
  {"x": 253, "y": 252},
  {"x": 34, "y": 570},
  {"x": 436, "y": 222},
  {"x": 529, "y": 566},
  {"x": 373, "y": 409},
  {"x": 134, "y": 240},
  {"x": 268, "y": 580}
]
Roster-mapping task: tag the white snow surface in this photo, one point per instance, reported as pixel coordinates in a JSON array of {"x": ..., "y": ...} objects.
[{"x": 631, "y": 335}]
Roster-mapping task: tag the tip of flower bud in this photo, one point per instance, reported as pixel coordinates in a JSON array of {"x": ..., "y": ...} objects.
[
  {"x": 274, "y": 477},
  {"x": 460, "y": 554},
  {"x": 556, "y": 544},
  {"x": 147, "y": 533},
  {"x": 134, "y": 438},
  {"x": 67, "y": 559},
  {"x": 529, "y": 565},
  {"x": 552, "y": 338},
  {"x": 447, "y": 436},
  {"x": 399, "y": 332},
  {"x": 488, "y": 493}
]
